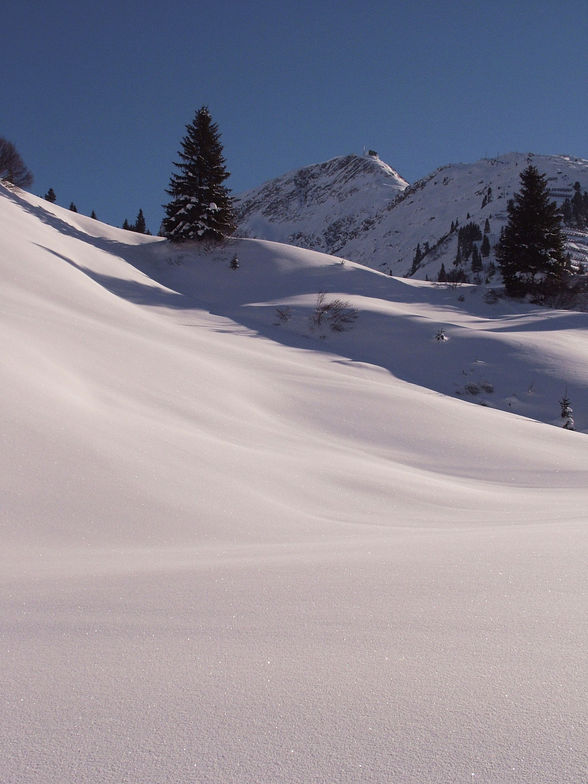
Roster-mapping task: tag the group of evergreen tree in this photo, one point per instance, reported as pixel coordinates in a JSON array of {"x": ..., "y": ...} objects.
[
  {"x": 467, "y": 236},
  {"x": 139, "y": 225},
  {"x": 575, "y": 210},
  {"x": 487, "y": 197},
  {"x": 52, "y": 198}
]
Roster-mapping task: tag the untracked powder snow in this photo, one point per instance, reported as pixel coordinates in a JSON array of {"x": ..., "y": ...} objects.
[{"x": 238, "y": 546}]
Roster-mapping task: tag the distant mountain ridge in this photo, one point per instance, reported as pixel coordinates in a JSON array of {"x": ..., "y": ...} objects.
[{"x": 359, "y": 208}]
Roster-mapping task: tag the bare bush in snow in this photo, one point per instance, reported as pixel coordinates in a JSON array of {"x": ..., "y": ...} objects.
[
  {"x": 337, "y": 314},
  {"x": 12, "y": 167}
]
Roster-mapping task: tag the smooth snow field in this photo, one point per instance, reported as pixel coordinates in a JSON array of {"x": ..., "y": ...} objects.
[{"x": 240, "y": 548}]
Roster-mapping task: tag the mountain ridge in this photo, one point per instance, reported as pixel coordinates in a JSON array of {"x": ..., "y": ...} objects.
[{"x": 386, "y": 227}]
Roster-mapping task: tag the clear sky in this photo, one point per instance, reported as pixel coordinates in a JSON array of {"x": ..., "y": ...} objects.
[{"x": 96, "y": 95}]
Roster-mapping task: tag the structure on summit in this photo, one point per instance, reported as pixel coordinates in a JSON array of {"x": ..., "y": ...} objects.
[{"x": 201, "y": 207}]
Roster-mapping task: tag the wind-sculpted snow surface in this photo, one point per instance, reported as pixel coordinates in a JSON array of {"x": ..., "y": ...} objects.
[{"x": 237, "y": 549}]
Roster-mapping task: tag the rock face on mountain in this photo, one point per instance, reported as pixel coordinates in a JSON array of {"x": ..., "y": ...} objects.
[{"x": 359, "y": 208}]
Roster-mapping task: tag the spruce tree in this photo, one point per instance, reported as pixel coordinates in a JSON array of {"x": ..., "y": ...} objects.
[
  {"x": 476, "y": 259},
  {"x": 485, "y": 247},
  {"x": 50, "y": 196},
  {"x": 577, "y": 204},
  {"x": 73, "y": 207},
  {"x": 416, "y": 259},
  {"x": 531, "y": 247},
  {"x": 201, "y": 206},
  {"x": 140, "y": 226}
]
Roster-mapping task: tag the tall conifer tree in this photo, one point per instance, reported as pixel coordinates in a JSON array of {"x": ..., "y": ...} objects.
[
  {"x": 201, "y": 206},
  {"x": 531, "y": 248}
]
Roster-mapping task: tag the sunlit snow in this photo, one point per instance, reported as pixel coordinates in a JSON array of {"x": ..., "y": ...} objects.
[{"x": 240, "y": 548}]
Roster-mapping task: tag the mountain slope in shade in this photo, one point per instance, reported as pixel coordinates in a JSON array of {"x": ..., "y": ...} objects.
[
  {"x": 386, "y": 228},
  {"x": 237, "y": 548}
]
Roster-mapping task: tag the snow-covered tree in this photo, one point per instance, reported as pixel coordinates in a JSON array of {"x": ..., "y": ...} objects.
[
  {"x": 201, "y": 206},
  {"x": 567, "y": 412},
  {"x": 531, "y": 248}
]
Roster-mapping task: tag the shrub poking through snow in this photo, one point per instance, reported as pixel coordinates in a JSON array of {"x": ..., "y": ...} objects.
[
  {"x": 338, "y": 314},
  {"x": 234, "y": 263},
  {"x": 440, "y": 336}
]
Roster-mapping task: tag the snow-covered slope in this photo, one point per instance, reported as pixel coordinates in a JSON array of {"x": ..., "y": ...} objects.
[
  {"x": 236, "y": 548},
  {"x": 389, "y": 226}
]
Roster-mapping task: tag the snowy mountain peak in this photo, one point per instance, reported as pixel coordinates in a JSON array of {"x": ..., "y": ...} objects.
[{"x": 320, "y": 206}]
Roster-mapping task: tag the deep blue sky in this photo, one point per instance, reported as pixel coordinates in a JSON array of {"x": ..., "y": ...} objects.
[{"x": 96, "y": 95}]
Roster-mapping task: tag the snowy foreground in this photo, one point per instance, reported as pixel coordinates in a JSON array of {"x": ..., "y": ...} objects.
[{"x": 238, "y": 549}]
